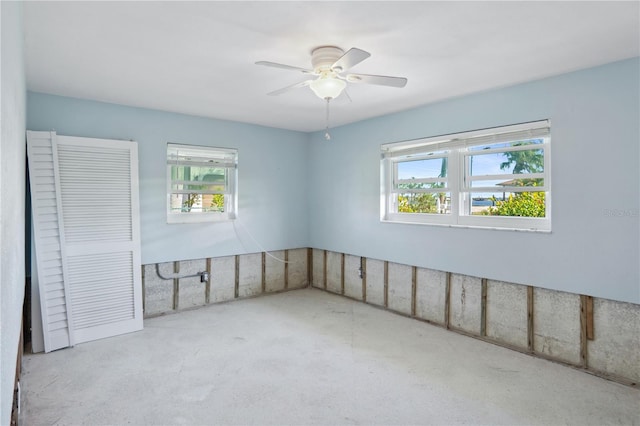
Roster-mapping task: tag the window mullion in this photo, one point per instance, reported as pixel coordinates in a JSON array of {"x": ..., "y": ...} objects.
[
  {"x": 453, "y": 175},
  {"x": 393, "y": 200},
  {"x": 547, "y": 180}
]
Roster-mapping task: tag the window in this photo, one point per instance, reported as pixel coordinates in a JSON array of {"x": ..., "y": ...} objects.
[
  {"x": 201, "y": 183},
  {"x": 497, "y": 178}
]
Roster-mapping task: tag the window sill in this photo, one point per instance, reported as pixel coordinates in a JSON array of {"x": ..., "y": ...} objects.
[
  {"x": 450, "y": 225},
  {"x": 173, "y": 219}
]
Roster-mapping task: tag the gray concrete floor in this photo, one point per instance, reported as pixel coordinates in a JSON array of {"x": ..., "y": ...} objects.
[{"x": 309, "y": 357}]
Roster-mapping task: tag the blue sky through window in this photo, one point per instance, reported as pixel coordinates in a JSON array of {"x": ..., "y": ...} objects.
[
  {"x": 419, "y": 169},
  {"x": 481, "y": 164},
  {"x": 487, "y": 164}
]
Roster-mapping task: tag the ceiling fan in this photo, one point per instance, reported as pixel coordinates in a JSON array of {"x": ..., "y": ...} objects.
[{"x": 329, "y": 65}]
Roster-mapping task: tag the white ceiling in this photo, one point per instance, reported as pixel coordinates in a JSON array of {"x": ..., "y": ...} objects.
[{"x": 198, "y": 57}]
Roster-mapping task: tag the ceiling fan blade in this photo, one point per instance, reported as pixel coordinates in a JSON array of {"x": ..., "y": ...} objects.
[
  {"x": 283, "y": 66},
  {"x": 346, "y": 93},
  {"x": 352, "y": 58},
  {"x": 293, "y": 86},
  {"x": 380, "y": 80}
]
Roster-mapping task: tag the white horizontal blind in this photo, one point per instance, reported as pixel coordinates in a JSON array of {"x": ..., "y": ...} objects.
[
  {"x": 532, "y": 130},
  {"x": 99, "y": 191},
  {"x": 188, "y": 155},
  {"x": 49, "y": 241}
]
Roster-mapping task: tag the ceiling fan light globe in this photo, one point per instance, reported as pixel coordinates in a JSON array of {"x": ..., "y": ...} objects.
[{"x": 328, "y": 88}]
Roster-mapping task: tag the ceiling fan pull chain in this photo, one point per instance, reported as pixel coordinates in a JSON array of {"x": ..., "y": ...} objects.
[{"x": 327, "y": 136}]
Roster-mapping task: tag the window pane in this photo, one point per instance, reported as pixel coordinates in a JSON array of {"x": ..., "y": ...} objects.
[
  {"x": 514, "y": 204},
  {"x": 197, "y": 203},
  {"x": 213, "y": 203},
  {"x": 439, "y": 203},
  {"x": 510, "y": 162},
  {"x": 195, "y": 173},
  {"x": 187, "y": 178},
  {"x": 209, "y": 174},
  {"x": 184, "y": 202},
  {"x": 421, "y": 169}
]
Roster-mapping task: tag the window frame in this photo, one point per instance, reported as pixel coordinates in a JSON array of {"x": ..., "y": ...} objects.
[
  {"x": 225, "y": 158},
  {"x": 458, "y": 180}
]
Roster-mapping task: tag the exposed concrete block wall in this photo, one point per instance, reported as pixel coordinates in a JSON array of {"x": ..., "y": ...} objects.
[
  {"x": 615, "y": 347},
  {"x": 352, "y": 279},
  {"x": 333, "y": 273},
  {"x": 274, "y": 271},
  {"x": 222, "y": 280},
  {"x": 375, "y": 282},
  {"x": 601, "y": 336},
  {"x": 318, "y": 273},
  {"x": 431, "y": 295},
  {"x": 399, "y": 288},
  {"x": 556, "y": 325},
  {"x": 249, "y": 275},
  {"x": 230, "y": 277},
  {"x": 158, "y": 293},
  {"x": 297, "y": 268},
  {"x": 191, "y": 291},
  {"x": 507, "y": 315},
  {"x": 465, "y": 303}
]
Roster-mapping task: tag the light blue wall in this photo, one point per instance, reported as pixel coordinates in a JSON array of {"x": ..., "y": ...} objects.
[
  {"x": 595, "y": 160},
  {"x": 298, "y": 190},
  {"x": 12, "y": 196},
  {"x": 272, "y": 178}
]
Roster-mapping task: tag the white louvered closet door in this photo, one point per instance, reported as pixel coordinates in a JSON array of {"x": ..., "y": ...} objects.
[
  {"x": 85, "y": 212},
  {"x": 100, "y": 212}
]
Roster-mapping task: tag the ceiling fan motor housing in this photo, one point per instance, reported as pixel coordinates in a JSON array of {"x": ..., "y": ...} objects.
[
  {"x": 323, "y": 57},
  {"x": 329, "y": 62}
]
